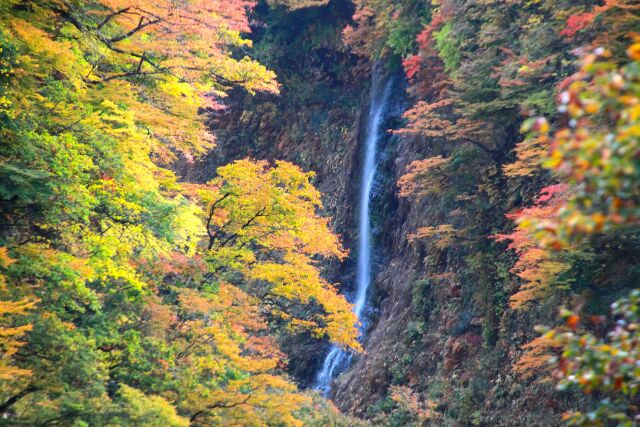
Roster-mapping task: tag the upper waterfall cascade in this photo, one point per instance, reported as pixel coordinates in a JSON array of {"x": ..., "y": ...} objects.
[{"x": 337, "y": 358}]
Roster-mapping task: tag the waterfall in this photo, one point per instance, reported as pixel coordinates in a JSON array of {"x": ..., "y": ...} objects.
[{"x": 337, "y": 359}]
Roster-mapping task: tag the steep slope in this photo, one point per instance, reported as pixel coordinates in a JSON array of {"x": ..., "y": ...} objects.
[
  {"x": 440, "y": 325},
  {"x": 447, "y": 344}
]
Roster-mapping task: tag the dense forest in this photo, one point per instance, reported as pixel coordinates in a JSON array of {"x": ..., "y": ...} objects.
[{"x": 319, "y": 212}]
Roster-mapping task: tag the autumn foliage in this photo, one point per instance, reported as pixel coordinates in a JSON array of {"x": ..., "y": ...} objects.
[
  {"x": 423, "y": 177},
  {"x": 11, "y": 337},
  {"x": 595, "y": 158},
  {"x": 604, "y": 366},
  {"x": 538, "y": 267},
  {"x": 126, "y": 296},
  {"x": 129, "y": 297},
  {"x": 264, "y": 222}
]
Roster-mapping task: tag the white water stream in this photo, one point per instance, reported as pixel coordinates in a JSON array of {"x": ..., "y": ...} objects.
[{"x": 338, "y": 359}]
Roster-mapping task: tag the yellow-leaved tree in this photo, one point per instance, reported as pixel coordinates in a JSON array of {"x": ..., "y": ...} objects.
[
  {"x": 10, "y": 334},
  {"x": 102, "y": 321},
  {"x": 264, "y": 223}
]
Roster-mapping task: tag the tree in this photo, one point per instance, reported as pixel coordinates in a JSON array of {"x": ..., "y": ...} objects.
[
  {"x": 298, "y": 4},
  {"x": 11, "y": 337},
  {"x": 604, "y": 366},
  {"x": 263, "y": 222},
  {"x": 230, "y": 368},
  {"x": 539, "y": 268},
  {"x": 595, "y": 158},
  {"x": 609, "y": 21},
  {"x": 141, "y": 410},
  {"x": 443, "y": 236},
  {"x": 595, "y": 154},
  {"x": 134, "y": 53},
  {"x": 109, "y": 313},
  {"x": 423, "y": 177},
  {"x": 438, "y": 121},
  {"x": 384, "y": 27}
]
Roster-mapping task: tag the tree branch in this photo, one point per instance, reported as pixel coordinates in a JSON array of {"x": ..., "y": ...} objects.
[
  {"x": 196, "y": 415},
  {"x": 16, "y": 397},
  {"x": 112, "y": 15}
]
